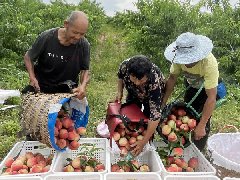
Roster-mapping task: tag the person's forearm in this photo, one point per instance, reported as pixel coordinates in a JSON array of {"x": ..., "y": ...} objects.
[
  {"x": 169, "y": 89},
  {"x": 84, "y": 78},
  {"x": 29, "y": 66},
  {"x": 120, "y": 86},
  {"x": 208, "y": 108},
  {"x": 152, "y": 126}
]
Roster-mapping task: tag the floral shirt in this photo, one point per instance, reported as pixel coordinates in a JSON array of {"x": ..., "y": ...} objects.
[{"x": 150, "y": 93}]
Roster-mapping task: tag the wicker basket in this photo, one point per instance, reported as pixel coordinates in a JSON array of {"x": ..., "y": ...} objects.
[{"x": 39, "y": 113}]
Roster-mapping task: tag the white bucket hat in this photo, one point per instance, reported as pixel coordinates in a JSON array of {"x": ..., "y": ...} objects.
[{"x": 188, "y": 48}]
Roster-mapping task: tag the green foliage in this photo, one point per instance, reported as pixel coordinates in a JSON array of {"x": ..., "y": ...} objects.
[{"x": 157, "y": 23}]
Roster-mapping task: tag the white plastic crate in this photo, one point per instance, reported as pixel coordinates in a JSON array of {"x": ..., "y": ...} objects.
[
  {"x": 204, "y": 166},
  {"x": 224, "y": 150},
  {"x": 191, "y": 177},
  {"x": 150, "y": 158},
  {"x": 29, "y": 146},
  {"x": 22, "y": 178},
  {"x": 74, "y": 176},
  {"x": 132, "y": 176},
  {"x": 228, "y": 178},
  {"x": 101, "y": 155}
]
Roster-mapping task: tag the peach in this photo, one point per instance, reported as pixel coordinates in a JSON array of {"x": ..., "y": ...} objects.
[
  {"x": 189, "y": 169},
  {"x": 181, "y": 112},
  {"x": 192, "y": 123},
  {"x": 68, "y": 168},
  {"x": 123, "y": 141},
  {"x": 135, "y": 163},
  {"x": 29, "y": 155},
  {"x": 36, "y": 169},
  {"x": 61, "y": 143},
  {"x": 116, "y": 136},
  {"x": 9, "y": 162},
  {"x": 132, "y": 140},
  {"x": 17, "y": 165},
  {"x": 56, "y": 132},
  {"x": 170, "y": 160},
  {"x": 122, "y": 132},
  {"x": 184, "y": 127},
  {"x": 172, "y": 117},
  {"x": 193, "y": 162},
  {"x": 73, "y": 136},
  {"x": 144, "y": 168},
  {"x": 74, "y": 145},
  {"x": 177, "y": 151},
  {"x": 126, "y": 168},
  {"x": 124, "y": 151},
  {"x": 31, "y": 162},
  {"x": 172, "y": 137},
  {"x": 115, "y": 168},
  {"x": 89, "y": 169},
  {"x": 100, "y": 167},
  {"x": 185, "y": 119},
  {"x": 172, "y": 124},
  {"x": 77, "y": 170},
  {"x": 121, "y": 125},
  {"x": 23, "y": 171},
  {"x": 63, "y": 134},
  {"x": 166, "y": 129},
  {"x": 81, "y": 131},
  {"x": 134, "y": 134},
  {"x": 76, "y": 163},
  {"x": 46, "y": 168},
  {"x": 178, "y": 123},
  {"x": 58, "y": 124},
  {"x": 70, "y": 129},
  {"x": 67, "y": 122},
  {"x": 139, "y": 138}
]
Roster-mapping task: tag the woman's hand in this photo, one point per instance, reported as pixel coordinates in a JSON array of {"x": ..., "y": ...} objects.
[{"x": 139, "y": 145}]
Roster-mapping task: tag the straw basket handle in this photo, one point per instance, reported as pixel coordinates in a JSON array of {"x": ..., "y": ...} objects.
[{"x": 228, "y": 126}]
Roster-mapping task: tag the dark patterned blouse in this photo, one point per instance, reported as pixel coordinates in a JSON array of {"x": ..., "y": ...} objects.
[{"x": 150, "y": 93}]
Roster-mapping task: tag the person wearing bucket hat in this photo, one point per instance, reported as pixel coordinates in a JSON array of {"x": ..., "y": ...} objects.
[
  {"x": 192, "y": 56},
  {"x": 58, "y": 56},
  {"x": 145, "y": 85}
]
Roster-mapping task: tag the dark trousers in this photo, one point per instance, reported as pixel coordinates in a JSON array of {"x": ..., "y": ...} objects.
[{"x": 198, "y": 104}]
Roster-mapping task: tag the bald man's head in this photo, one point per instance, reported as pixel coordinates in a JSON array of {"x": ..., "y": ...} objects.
[
  {"x": 76, "y": 26},
  {"x": 77, "y": 16}
]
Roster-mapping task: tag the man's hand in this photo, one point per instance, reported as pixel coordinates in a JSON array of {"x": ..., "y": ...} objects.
[
  {"x": 80, "y": 92},
  {"x": 139, "y": 145},
  {"x": 34, "y": 83},
  {"x": 199, "y": 132}
]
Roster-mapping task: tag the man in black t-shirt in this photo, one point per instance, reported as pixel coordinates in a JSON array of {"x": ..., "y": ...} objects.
[{"x": 59, "y": 55}]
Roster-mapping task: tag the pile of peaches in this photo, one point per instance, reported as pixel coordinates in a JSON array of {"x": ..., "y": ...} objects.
[
  {"x": 177, "y": 127},
  {"x": 27, "y": 164},
  {"x": 174, "y": 162},
  {"x": 129, "y": 166},
  {"x": 66, "y": 135},
  {"x": 84, "y": 164},
  {"x": 125, "y": 137}
]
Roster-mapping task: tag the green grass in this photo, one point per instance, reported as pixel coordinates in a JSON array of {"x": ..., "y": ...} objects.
[{"x": 105, "y": 59}]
